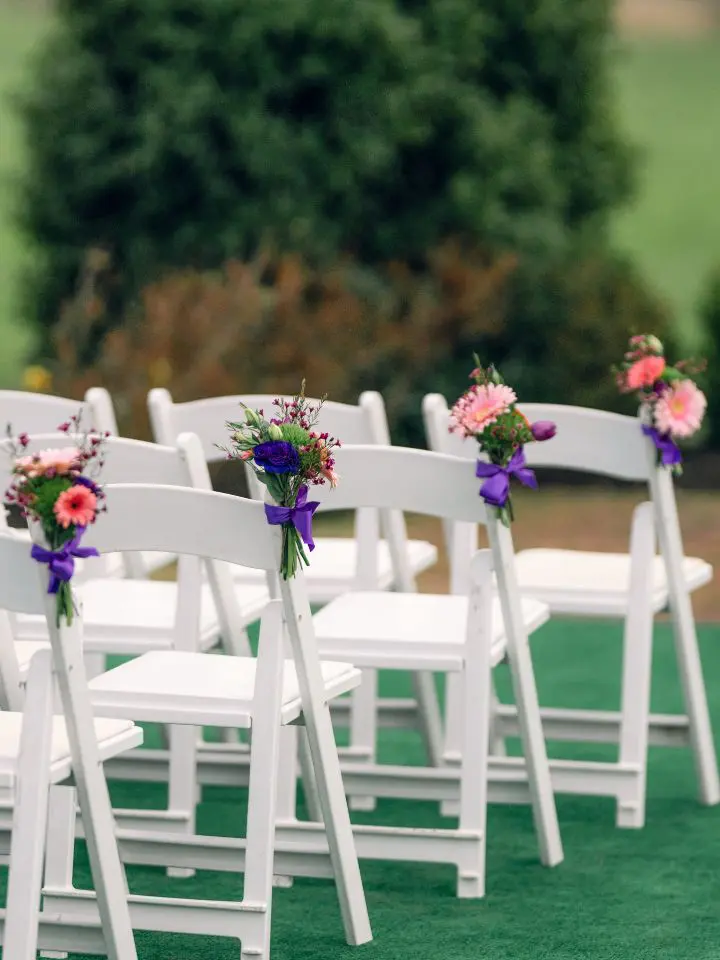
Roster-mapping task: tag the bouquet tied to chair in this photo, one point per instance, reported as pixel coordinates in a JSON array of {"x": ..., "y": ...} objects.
[
  {"x": 287, "y": 454},
  {"x": 57, "y": 489},
  {"x": 488, "y": 413},
  {"x": 672, "y": 406}
]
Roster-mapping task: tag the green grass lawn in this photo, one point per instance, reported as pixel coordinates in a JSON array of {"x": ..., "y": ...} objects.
[{"x": 668, "y": 106}]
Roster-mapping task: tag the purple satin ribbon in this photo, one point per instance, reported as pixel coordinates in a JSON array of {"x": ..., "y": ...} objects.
[
  {"x": 496, "y": 488},
  {"x": 670, "y": 454},
  {"x": 62, "y": 561},
  {"x": 300, "y": 516}
]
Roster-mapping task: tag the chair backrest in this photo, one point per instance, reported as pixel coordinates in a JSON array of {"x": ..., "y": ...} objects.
[
  {"x": 39, "y": 413},
  {"x": 587, "y": 441},
  {"x": 183, "y": 465},
  {"x": 361, "y": 423},
  {"x": 432, "y": 484}
]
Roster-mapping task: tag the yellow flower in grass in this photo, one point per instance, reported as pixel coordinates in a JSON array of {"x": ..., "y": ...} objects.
[{"x": 37, "y": 378}]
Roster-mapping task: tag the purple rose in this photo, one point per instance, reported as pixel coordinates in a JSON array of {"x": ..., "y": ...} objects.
[
  {"x": 277, "y": 456},
  {"x": 543, "y": 430},
  {"x": 82, "y": 481}
]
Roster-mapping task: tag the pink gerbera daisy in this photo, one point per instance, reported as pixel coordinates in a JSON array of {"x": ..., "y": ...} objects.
[
  {"x": 480, "y": 407},
  {"x": 76, "y": 505},
  {"x": 680, "y": 409}
]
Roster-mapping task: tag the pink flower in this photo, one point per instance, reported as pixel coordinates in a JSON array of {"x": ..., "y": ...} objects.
[
  {"x": 76, "y": 505},
  {"x": 53, "y": 462},
  {"x": 480, "y": 407},
  {"x": 644, "y": 372},
  {"x": 680, "y": 409}
]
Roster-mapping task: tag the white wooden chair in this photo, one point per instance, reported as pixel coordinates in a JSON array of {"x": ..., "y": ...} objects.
[
  {"x": 443, "y": 633},
  {"x": 131, "y": 617},
  {"x": 192, "y": 689},
  {"x": 39, "y": 749},
  {"x": 632, "y": 587},
  {"x": 37, "y": 413},
  {"x": 338, "y": 563}
]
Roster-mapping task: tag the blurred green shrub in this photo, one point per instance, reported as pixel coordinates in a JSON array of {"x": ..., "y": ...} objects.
[
  {"x": 258, "y": 326},
  {"x": 710, "y": 315},
  {"x": 175, "y": 133}
]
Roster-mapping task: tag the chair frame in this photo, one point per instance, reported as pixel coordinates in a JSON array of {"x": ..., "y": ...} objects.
[
  {"x": 363, "y": 423},
  {"x": 612, "y": 445},
  {"x": 141, "y": 518}
]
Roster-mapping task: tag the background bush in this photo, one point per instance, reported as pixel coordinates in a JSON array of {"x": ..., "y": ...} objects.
[
  {"x": 710, "y": 315},
  {"x": 262, "y": 325},
  {"x": 180, "y": 134}
]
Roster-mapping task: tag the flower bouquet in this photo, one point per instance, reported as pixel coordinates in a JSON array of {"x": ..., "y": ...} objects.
[
  {"x": 672, "y": 406},
  {"x": 54, "y": 488},
  {"x": 488, "y": 413},
  {"x": 286, "y": 455}
]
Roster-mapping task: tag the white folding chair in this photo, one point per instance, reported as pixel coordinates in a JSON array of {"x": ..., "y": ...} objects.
[
  {"x": 131, "y": 617},
  {"x": 192, "y": 689},
  {"x": 39, "y": 749},
  {"x": 632, "y": 587},
  {"x": 411, "y": 631},
  {"x": 338, "y": 563}
]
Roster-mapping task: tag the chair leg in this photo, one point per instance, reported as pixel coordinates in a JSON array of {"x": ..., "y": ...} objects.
[
  {"x": 30, "y": 815},
  {"x": 265, "y": 772},
  {"x": 429, "y": 716},
  {"x": 182, "y": 783},
  {"x": 477, "y": 686},
  {"x": 60, "y": 846},
  {"x": 287, "y": 776},
  {"x": 635, "y": 703},
  {"x": 336, "y": 818},
  {"x": 695, "y": 698},
  {"x": 363, "y": 728},
  {"x": 312, "y": 800},
  {"x": 454, "y": 732}
]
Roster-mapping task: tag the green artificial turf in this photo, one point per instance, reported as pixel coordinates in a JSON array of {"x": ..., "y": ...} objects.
[{"x": 650, "y": 894}]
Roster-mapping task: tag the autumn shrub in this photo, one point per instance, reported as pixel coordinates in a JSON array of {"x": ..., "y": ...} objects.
[{"x": 262, "y": 325}]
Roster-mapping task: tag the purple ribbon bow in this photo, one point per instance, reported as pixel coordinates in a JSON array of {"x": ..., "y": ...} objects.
[
  {"x": 670, "y": 454},
  {"x": 300, "y": 516},
  {"x": 62, "y": 561},
  {"x": 496, "y": 488}
]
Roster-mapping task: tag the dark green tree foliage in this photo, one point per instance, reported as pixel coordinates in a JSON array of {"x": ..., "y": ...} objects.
[
  {"x": 178, "y": 132},
  {"x": 710, "y": 315}
]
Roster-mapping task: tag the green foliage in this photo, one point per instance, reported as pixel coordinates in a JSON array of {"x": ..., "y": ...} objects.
[
  {"x": 710, "y": 315},
  {"x": 178, "y": 133}
]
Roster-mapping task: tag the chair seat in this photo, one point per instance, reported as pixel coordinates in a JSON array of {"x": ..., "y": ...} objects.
[
  {"x": 114, "y": 736},
  {"x": 128, "y": 616},
  {"x": 408, "y": 630},
  {"x": 200, "y": 688},
  {"x": 333, "y": 565},
  {"x": 576, "y": 582}
]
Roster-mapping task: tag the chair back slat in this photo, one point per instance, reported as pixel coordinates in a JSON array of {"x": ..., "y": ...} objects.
[
  {"x": 587, "y": 441},
  {"x": 405, "y": 479},
  {"x": 39, "y": 413},
  {"x": 181, "y": 520},
  {"x": 207, "y": 418}
]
